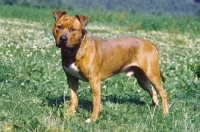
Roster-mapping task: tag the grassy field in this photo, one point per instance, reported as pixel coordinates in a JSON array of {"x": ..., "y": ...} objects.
[{"x": 34, "y": 93}]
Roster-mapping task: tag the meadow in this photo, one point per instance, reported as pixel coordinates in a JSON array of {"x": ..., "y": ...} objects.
[{"x": 33, "y": 90}]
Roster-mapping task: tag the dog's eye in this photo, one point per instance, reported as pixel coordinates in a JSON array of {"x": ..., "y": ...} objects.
[
  {"x": 72, "y": 29},
  {"x": 59, "y": 27}
]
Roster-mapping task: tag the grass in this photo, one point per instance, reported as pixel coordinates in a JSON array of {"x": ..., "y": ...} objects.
[{"x": 33, "y": 88}]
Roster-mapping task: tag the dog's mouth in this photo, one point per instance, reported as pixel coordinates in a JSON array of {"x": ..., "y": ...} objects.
[
  {"x": 60, "y": 46},
  {"x": 66, "y": 46},
  {"x": 62, "y": 41}
]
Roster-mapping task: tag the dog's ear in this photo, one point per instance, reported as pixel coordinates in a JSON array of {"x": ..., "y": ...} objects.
[
  {"x": 58, "y": 14},
  {"x": 83, "y": 20}
]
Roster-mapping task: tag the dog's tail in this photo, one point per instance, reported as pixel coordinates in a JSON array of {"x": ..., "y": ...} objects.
[{"x": 162, "y": 77}]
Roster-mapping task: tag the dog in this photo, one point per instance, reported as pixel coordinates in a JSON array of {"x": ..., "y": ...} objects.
[{"x": 93, "y": 59}]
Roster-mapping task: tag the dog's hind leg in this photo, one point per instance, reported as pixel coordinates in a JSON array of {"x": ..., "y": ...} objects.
[
  {"x": 156, "y": 82},
  {"x": 145, "y": 84}
]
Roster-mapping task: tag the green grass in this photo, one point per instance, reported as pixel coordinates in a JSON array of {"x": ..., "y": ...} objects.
[{"x": 33, "y": 86}]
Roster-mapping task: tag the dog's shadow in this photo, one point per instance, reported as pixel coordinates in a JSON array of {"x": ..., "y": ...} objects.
[
  {"x": 57, "y": 102},
  {"x": 87, "y": 104}
]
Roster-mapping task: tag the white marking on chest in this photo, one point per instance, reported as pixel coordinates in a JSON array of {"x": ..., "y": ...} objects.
[{"x": 73, "y": 70}]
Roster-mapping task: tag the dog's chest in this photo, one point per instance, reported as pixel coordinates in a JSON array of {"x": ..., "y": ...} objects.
[{"x": 73, "y": 70}]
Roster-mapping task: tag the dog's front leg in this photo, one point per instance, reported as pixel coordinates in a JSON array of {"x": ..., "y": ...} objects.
[
  {"x": 73, "y": 85},
  {"x": 95, "y": 84}
]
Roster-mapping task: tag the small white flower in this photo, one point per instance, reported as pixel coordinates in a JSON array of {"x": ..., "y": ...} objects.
[{"x": 22, "y": 84}]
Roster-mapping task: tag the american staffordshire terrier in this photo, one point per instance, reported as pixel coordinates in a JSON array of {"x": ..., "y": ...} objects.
[{"x": 93, "y": 59}]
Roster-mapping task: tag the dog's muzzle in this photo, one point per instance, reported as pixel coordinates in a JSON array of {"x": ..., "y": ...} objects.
[{"x": 62, "y": 41}]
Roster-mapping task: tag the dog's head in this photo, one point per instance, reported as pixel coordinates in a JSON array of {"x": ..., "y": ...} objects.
[{"x": 68, "y": 30}]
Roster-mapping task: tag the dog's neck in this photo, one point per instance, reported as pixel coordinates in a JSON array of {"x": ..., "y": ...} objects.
[{"x": 70, "y": 51}]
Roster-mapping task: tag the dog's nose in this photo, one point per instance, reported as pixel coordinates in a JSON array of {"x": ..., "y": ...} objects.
[{"x": 63, "y": 38}]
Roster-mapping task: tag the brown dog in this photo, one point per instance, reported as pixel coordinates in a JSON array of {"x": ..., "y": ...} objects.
[{"x": 93, "y": 59}]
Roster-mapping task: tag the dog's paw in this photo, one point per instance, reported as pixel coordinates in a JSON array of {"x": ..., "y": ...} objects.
[{"x": 88, "y": 120}]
